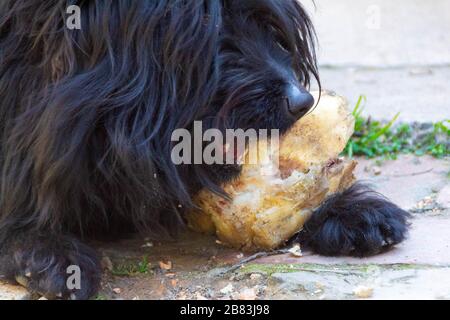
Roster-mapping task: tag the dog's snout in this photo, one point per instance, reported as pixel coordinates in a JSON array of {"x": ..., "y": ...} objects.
[{"x": 298, "y": 100}]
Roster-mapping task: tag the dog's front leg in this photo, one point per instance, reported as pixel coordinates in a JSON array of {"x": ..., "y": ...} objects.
[
  {"x": 357, "y": 222},
  {"x": 56, "y": 266}
]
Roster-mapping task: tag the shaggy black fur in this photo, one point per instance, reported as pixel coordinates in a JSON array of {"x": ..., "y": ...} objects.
[
  {"x": 357, "y": 222},
  {"x": 86, "y": 117}
]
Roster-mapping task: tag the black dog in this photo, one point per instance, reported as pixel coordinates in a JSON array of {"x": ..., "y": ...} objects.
[{"x": 86, "y": 118}]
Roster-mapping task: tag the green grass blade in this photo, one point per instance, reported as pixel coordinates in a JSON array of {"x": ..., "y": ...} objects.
[{"x": 385, "y": 129}]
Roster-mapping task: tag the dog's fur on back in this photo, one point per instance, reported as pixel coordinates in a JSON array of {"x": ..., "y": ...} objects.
[{"x": 86, "y": 118}]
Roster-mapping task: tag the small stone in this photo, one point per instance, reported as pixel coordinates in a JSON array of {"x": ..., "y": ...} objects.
[
  {"x": 363, "y": 292},
  {"x": 426, "y": 204},
  {"x": 319, "y": 286},
  {"x": 296, "y": 251},
  {"x": 165, "y": 265},
  {"x": 182, "y": 296},
  {"x": 117, "y": 290},
  {"x": 248, "y": 294},
  {"x": 420, "y": 71},
  {"x": 240, "y": 256},
  {"x": 227, "y": 289},
  {"x": 42, "y": 298},
  {"x": 376, "y": 170},
  {"x": 199, "y": 296},
  {"x": 426, "y": 125},
  {"x": 255, "y": 276}
]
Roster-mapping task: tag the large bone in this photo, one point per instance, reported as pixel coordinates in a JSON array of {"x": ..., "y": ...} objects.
[{"x": 272, "y": 200}]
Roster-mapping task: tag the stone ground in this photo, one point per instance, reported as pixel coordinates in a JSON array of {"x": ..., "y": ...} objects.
[
  {"x": 200, "y": 268},
  {"x": 397, "y": 54},
  {"x": 419, "y": 94}
]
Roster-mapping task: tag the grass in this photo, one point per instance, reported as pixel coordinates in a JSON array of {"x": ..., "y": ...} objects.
[
  {"x": 130, "y": 268},
  {"x": 377, "y": 139}
]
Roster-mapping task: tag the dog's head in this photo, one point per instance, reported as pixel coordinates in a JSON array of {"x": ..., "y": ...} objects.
[
  {"x": 266, "y": 58},
  {"x": 262, "y": 60}
]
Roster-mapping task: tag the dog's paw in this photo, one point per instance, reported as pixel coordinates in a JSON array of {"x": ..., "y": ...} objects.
[
  {"x": 357, "y": 222},
  {"x": 64, "y": 270}
]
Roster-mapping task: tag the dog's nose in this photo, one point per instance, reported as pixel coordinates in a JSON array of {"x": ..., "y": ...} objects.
[{"x": 299, "y": 101}]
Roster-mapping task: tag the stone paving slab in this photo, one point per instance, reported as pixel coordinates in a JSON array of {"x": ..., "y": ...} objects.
[
  {"x": 414, "y": 284},
  {"x": 418, "y": 94},
  {"x": 401, "y": 66},
  {"x": 407, "y": 180},
  {"x": 391, "y": 284},
  {"x": 192, "y": 268},
  {"x": 428, "y": 244},
  {"x": 409, "y": 32}
]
